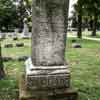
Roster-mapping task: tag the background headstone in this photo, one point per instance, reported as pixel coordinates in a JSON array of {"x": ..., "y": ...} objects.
[
  {"x": 25, "y": 34},
  {"x": 19, "y": 44},
  {"x": 15, "y": 34},
  {"x": 75, "y": 44},
  {"x": 8, "y": 45}
]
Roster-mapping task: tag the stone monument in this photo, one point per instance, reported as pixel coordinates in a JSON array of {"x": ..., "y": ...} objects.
[
  {"x": 15, "y": 34},
  {"x": 47, "y": 76},
  {"x": 25, "y": 33}
]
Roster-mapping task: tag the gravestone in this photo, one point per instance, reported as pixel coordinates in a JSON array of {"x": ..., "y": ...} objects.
[
  {"x": 2, "y": 35},
  {"x": 15, "y": 37},
  {"x": 75, "y": 44},
  {"x": 19, "y": 44},
  {"x": 22, "y": 58},
  {"x": 8, "y": 45},
  {"x": 6, "y": 59},
  {"x": 25, "y": 33},
  {"x": 47, "y": 76}
]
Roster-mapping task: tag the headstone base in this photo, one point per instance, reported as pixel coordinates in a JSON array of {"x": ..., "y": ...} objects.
[
  {"x": 47, "y": 78},
  {"x": 25, "y": 94}
]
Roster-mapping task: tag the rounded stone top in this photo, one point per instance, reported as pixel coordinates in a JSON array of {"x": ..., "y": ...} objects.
[{"x": 25, "y": 20}]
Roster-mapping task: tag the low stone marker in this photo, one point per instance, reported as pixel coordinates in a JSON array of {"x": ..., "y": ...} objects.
[
  {"x": 19, "y": 44},
  {"x": 25, "y": 34},
  {"x": 23, "y": 58},
  {"x": 8, "y": 45},
  {"x": 6, "y": 59},
  {"x": 47, "y": 76},
  {"x": 75, "y": 44},
  {"x": 15, "y": 38}
]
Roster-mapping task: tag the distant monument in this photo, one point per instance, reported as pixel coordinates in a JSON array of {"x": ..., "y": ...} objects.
[
  {"x": 47, "y": 76},
  {"x": 25, "y": 30},
  {"x": 15, "y": 34},
  {"x": 2, "y": 35},
  {"x": 25, "y": 33}
]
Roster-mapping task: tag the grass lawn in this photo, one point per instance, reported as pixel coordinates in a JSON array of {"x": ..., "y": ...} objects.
[
  {"x": 84, "y": 64},
  {"x": 15, "y": 51},
  {"x": 88, "y": 34},
  {"x": 85, "y": 69}
]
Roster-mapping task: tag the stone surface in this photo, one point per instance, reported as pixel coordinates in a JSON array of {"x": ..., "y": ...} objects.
[
  {"x": 76, "y": 45},
  {"x": 19, "y": 44},
  {"x": 49, "y": 32},
  {"x": 55, "y": 94},
  {"x": 43, "y": 77},
  {"x": 6, "y": 59},
  {"x": 28, "y": 36},
  {"x": 2, "y": 35},
  {"x": 8, "y": 45},
  {"x": 22, "y": 58},
  {"x": 25, "y": 30},
  {"x": 47, "y": 76},
  {"x": 15, "y": 34},
  {"x": 25, "y": 34},
  {"x": 15, "y": 38}
]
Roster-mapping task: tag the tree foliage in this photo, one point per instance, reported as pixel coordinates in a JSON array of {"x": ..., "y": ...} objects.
[
  {"x": 89, "y": 8},
  {"x": 79, "y": 7},
  {"x": 7, "y": 13},
  {"x": 12, "y": 15},
  {"x": 23, "y": 11}
]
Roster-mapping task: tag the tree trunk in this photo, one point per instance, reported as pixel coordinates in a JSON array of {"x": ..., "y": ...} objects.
[
  {"x": 79, "y": 33},
  {"x": 2, "y": 73},
  {"x": 94, "y": 26}
]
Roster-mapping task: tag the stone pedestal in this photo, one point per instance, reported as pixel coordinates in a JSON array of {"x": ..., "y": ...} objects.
[
  {"x": 47, "y": 76},
  {"x": 43, "y": 77},
  {"x": 55, "y": 94},
  {"x": 42, "y": 83}
]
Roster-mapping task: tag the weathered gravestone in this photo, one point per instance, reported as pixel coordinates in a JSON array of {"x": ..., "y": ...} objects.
[
  {"x": 8, "y": 45},
  {"x": 19, "y": 44},
  {"x": 47, "y": 76},
  {"x": 15, "y": 37},
  {"x": 25, "y": 33},
  {"x": 75, "y": 44}
]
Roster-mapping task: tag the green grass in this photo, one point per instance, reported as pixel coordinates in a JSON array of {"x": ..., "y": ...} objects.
[
  {"x": 15, "y": 51},
  {"x": 85, "y": 69},
  {"x": 88, "y": 34},
  {"x": 9, "y": 86},
  {"x": 84, "y": 64}
]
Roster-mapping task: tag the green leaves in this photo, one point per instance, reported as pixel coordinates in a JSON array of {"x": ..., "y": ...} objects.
[{"x": 7, "y": 12}]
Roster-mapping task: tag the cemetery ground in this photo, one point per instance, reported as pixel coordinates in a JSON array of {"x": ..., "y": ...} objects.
[
  {"x": 85, "y": 34},
  {"x": 84, "y": 64}
]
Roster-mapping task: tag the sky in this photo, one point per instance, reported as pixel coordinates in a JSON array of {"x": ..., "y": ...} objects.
[{"x": 71, "y": 6}]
